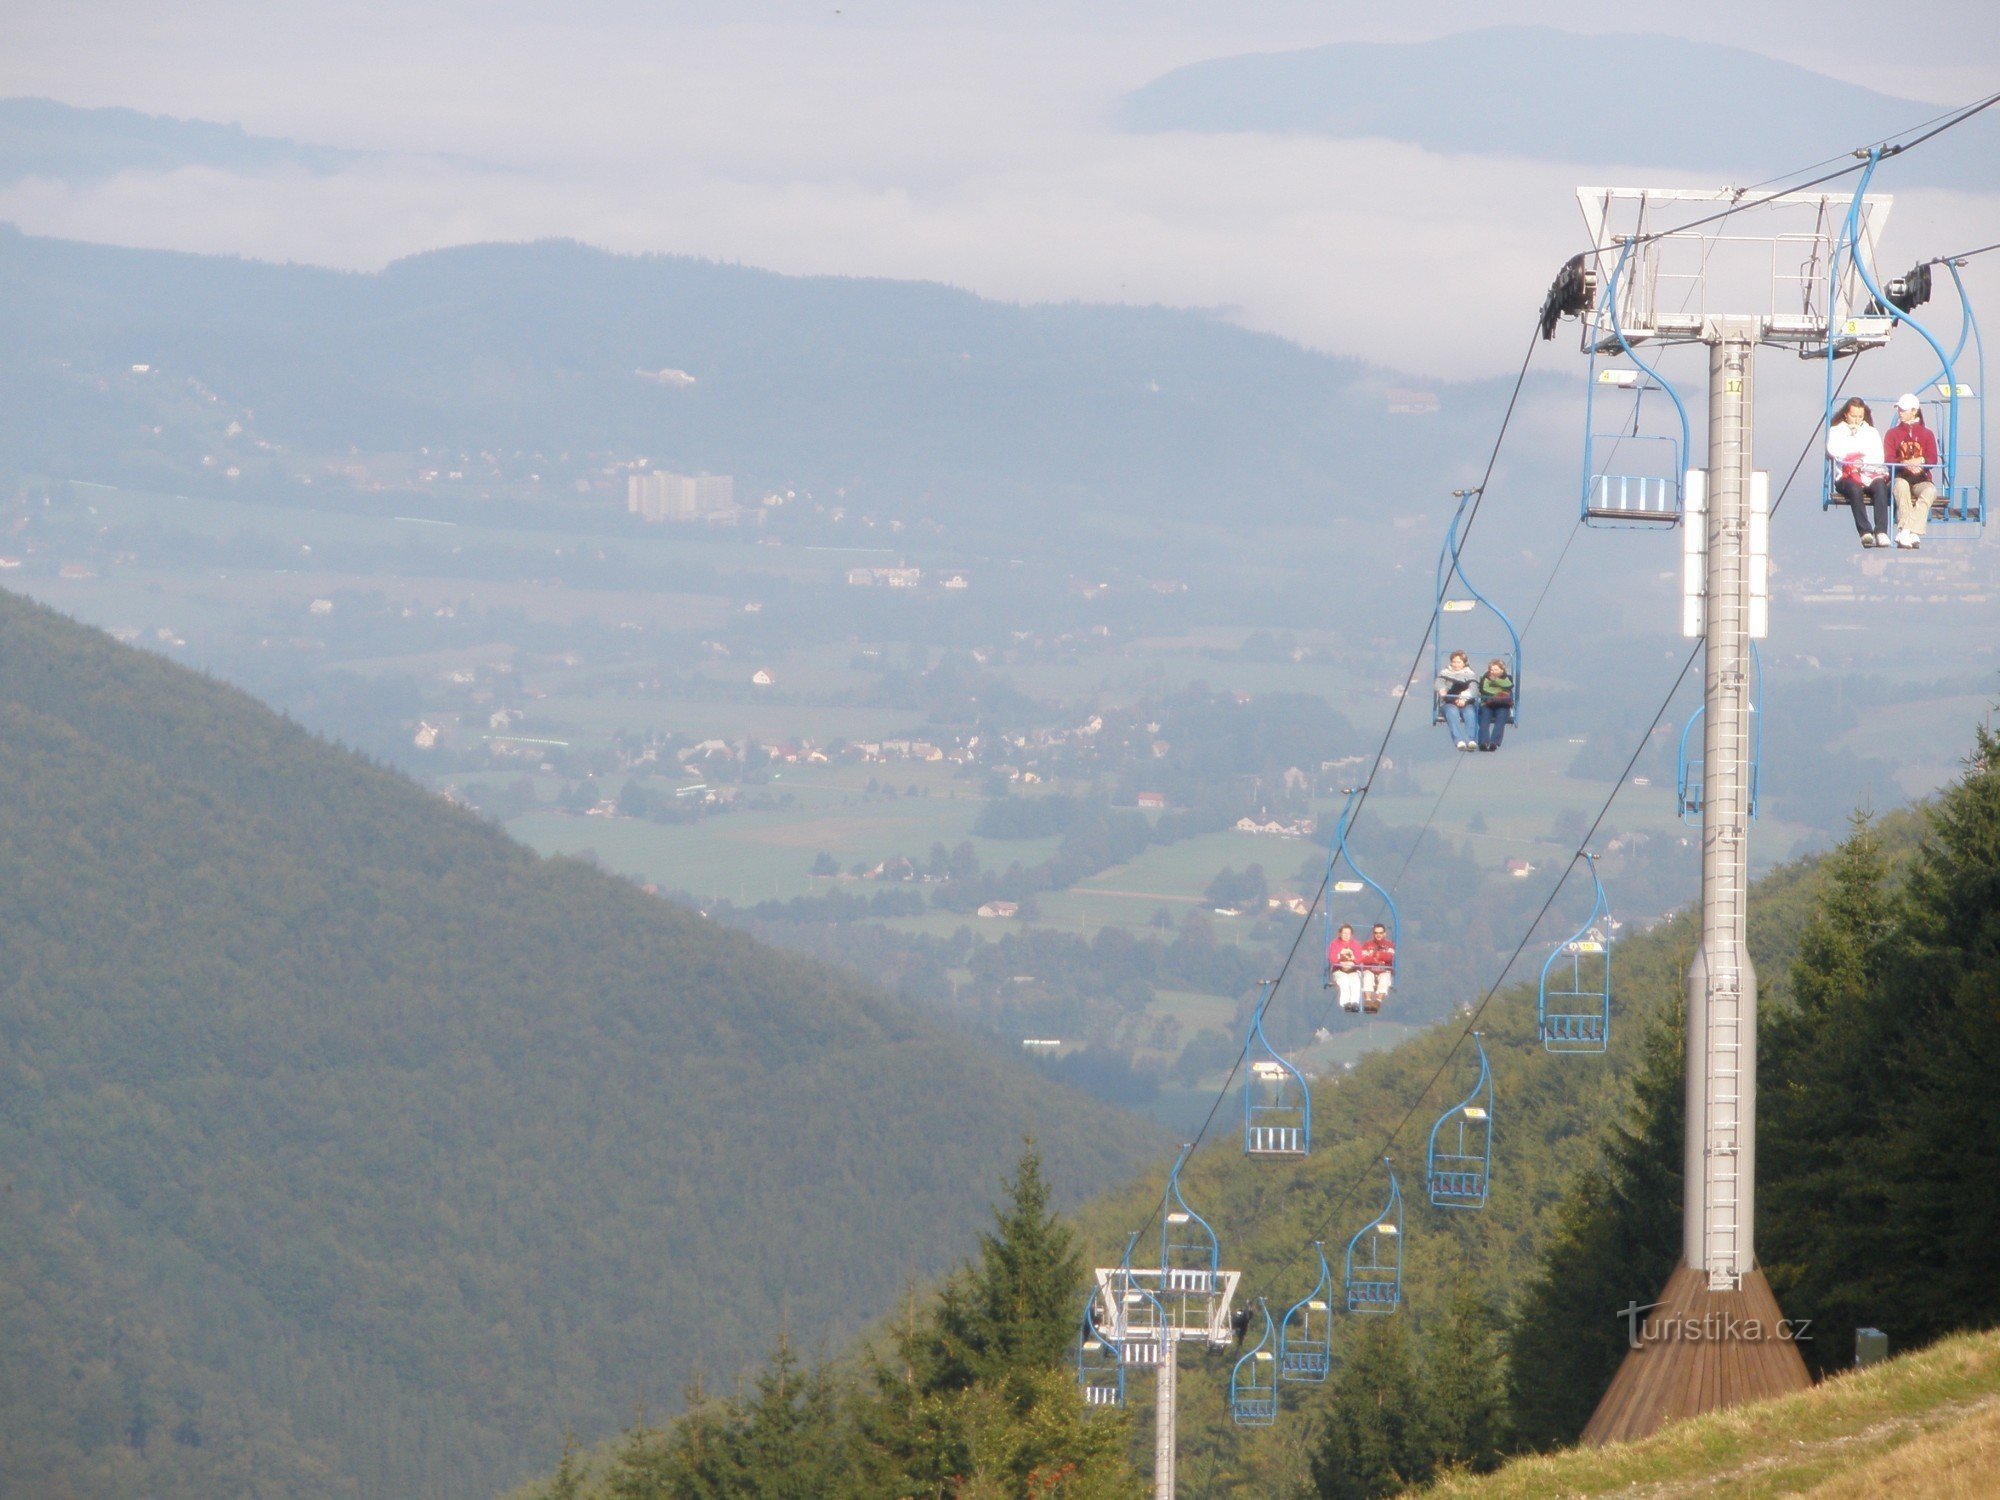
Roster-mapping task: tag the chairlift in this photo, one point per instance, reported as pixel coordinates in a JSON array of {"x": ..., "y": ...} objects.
[
  {"x": 1957, "y": 384},
  {"x": 1374, "y": 1279},
  {"x": 1253, "y": 1384},
  {"x": 1632, "y": 466},
  {"x": 1689, "y": 778},
  {"x": 1340, "y": 889},
  {"x": 1305, "y": 1334},
  {"x": 1190, "y": 1256},
  {"x": 1573, "y": 1009},
  {"x": 1277, "y": 1106},
  {"x": 1456, "y": 595},
  {"x": 1458, "y": 1165},
  {"x": 1100, "y": 1360}
]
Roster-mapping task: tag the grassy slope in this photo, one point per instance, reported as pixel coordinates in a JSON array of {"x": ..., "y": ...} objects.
[
  {"x": 344, "y": 1141},
  {"x": 1925, "y": 1426}
]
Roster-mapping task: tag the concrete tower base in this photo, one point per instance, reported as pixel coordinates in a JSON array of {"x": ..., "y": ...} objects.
[{"x": 1698, "y": 1351}]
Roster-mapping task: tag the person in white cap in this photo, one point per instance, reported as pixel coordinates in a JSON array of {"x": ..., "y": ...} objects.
[
  {"x": 1860, "y": 478},
  {"x": 1913, "y": 448}
]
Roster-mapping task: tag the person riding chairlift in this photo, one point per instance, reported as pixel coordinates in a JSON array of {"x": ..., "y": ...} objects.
[
  {"x": 1343, "y": 963},
  {"x": 1378, "y": 968},
  {"x": 1860, "y": 476},
  {"x": 1913, "y": 449}
]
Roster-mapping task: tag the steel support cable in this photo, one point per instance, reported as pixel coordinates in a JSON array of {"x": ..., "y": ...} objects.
[
  {"x": 1888, "y": 146},
  {"x": 1963, "y": 256},
  {"x": 1319, "y": 896},
  {"x": 1458, "y": 763},
  {"x": 1472, "y": 1019}
]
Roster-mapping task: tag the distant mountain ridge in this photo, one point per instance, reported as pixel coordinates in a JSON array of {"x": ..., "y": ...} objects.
[
  {"x": 1550, "y": 95},
  {"x": 346, "y": 1143},
  {"x": 906, "y": 388},
  {"x": 47, "y": 138}
]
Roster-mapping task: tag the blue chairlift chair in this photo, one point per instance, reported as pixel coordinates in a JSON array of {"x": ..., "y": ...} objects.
[
  {"x": 1277, "y": 1106},
  {"x": 1688, "y": 774},
  {"x": 1253, "y": 1384},
  {"x": 1374, "y": 1276},
  {"x": 1305, "y": 1335},
  {"x": 1632, "y": 471},
  {"x": 1458, "y": 1166},
  {"x": 1451, "y": 601},
  {"x": 1573, "y": 1008}
]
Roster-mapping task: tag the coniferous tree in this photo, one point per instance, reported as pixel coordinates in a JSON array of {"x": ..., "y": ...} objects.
[
  {"x": 1617, "y": 1240},
  {"x": 1378, "y": 1437},
  {"x": 1942, "y": 994},
  {"x": 1462, "y": 1374},
  {"x": 1828, "y": 1072}
]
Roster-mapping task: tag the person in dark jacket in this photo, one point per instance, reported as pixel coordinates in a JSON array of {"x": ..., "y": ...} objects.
[{"x": 1496, "y": 703}]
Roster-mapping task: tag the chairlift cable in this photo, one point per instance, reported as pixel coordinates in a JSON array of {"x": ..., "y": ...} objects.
[
  {"x": 1624, "y": 776},
  {"x": 1381, "y": 750}
]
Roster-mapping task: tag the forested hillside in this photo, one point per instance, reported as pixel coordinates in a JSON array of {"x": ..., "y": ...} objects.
[{"x": 350, "y": 1149}]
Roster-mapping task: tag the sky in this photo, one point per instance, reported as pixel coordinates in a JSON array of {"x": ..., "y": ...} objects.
[{"x": 962, "y": 141}]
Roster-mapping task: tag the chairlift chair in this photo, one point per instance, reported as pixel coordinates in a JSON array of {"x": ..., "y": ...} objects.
[
  {"x": 1190, "y": 1257},
  {"x": 1374, "y": 1272},
  {"x": 1688, "y": 773},
  {"x": 1458, "y": 1164},
  {"x": 1340, "y": 888},
  {"x": 1305, "y": 1334},
  {"x": 1573, "y": 1008},
  {"x": 1253, "y": 1384},
  {"x": 1449, "y": 601},
  {"x": 1632, "y": 470},
  {"x": 1956, "y": 387},
  {"x": 1277, "y": 1105},
  {"x": 1100, "y": 1360}
]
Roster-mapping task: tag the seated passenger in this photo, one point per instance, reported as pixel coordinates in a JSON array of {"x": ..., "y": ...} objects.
[
  {"x": 1343, "y": 966},
  {"x": 1496, "y": 702},
  {"x": 1378, "y": 968},
  {"x": 1457, "y": 692},
  {"x": 1914, "y": 448},
  {"x": 1860, "y": 478}
]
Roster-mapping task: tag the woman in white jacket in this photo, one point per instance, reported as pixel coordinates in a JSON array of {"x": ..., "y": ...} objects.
[{"x": 1860, "y": 477}]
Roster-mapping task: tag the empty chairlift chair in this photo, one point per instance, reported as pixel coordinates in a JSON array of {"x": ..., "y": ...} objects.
[
  {"x": 1100, "y": 1360},
  {"x": 1458, "y": 604},
  {"x": 1190, "y": 1258},
  {"x": 1277, "y": 1107},
  {"x": 1634, "y": 450},
  {"x": 1374, "y": 1276},
  {"x": 1253, "y": 1384},
  {"x": 1305, "y": 1336},
  {"x": 1688, "y": 776},
  {"x": 1459, "y": 1164},
  {"x": 1574, "y": 1005}
]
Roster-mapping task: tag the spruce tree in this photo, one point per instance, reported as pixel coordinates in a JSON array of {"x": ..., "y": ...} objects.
[
  {"x": 1462, "y": 1374},
  {"x": 1377, "y": 1438},
  {"x": 1617, "y": 1240},
  {"x": 1943, "y": 997},
  {"x": 1828, "y": 1074}
]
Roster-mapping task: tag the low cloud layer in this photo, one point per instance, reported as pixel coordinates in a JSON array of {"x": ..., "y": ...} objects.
[{"x": 962, "y": 144}]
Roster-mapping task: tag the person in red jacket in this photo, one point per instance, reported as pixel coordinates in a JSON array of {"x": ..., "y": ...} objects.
[
  {"x": 1343, "y": 969},
  {"x": 1378, "y": 968},
  {"x": 1911, "y": 449}
]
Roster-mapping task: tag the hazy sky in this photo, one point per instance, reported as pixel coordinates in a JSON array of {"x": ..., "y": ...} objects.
[{"x": 957, "y": 140}]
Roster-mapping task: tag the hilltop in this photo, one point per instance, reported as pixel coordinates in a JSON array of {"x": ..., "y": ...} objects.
[
  {"x": 1924, "y": 1426},
  {"x": 353, "y": 1147}
]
